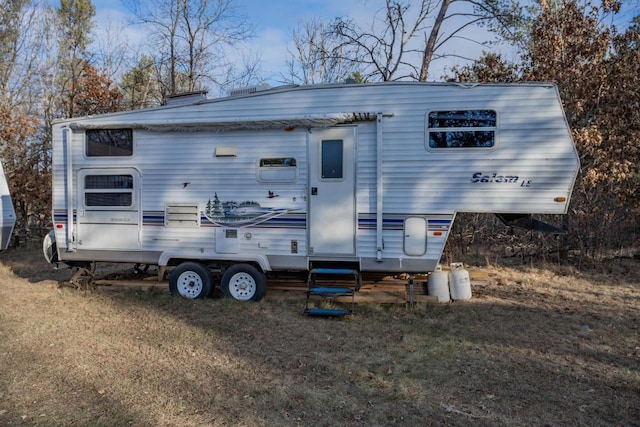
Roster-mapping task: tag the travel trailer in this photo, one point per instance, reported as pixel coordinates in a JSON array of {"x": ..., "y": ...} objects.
[
  {"x": 8, "y": 218},
  {"x": 350, "y": 177}
]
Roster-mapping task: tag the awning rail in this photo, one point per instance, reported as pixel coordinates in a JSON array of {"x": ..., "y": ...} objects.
[{"x": 241, "y": 123}]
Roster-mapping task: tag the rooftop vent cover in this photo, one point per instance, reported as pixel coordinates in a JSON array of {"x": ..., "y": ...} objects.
[
  {"x": 186, "y": 98},
  {"x": 249, "y": 90}
]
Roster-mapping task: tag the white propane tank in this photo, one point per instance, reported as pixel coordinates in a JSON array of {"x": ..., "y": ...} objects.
[
  {"x": 459, "y": 282},
  {"x": 438, "y": 285}
]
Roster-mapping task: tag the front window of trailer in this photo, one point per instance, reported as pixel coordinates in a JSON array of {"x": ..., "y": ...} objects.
[
  {"x": 109, "y": 142},
  {"x": 461, "y": 129}
]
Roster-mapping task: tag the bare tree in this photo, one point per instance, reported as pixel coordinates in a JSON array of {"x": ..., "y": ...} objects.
[
  {"x": 19, "y": 48},
  {"x": 430, "y": 45},
  {"x": 317, "y": 56},
  {"x": 405, "y": 37},
  {"x": 113, "y": 52},
  {"x": 192, "y": 38},
  {"x": 383, "y": 50},
  {"x": 241, "y": 72}
]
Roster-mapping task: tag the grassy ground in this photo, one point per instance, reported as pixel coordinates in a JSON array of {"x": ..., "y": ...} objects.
[{"x": 533, "y": 347}]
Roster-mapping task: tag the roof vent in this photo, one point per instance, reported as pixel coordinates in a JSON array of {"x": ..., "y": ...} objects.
[
  {"x": 186, "y": 98},
  {"x": 249, "y": 90}
]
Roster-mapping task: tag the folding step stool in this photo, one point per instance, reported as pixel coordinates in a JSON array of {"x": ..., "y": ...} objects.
[{"x": 330, "y": 291}]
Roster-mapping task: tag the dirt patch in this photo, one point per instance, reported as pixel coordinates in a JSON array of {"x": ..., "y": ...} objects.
[{"x": 544, "y": 346}]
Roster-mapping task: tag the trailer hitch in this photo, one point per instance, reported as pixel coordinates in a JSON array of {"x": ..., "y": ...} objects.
[{"x": 527, "y": 222}]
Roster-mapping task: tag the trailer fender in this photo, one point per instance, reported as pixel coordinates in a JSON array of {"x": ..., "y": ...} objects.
[{"x": 165, "y": 258}]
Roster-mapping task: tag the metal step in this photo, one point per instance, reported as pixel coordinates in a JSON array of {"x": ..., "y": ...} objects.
[
  {"x": 337, "y": 271},
  {"x": 333, "y": 312},
  {"x": 329, "y": 291}
]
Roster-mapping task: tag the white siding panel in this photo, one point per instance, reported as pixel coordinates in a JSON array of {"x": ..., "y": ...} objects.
[{"x": 533, "y": 143}]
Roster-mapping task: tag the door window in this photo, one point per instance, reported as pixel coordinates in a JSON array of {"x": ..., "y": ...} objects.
[{"x": 332, "y": 159}]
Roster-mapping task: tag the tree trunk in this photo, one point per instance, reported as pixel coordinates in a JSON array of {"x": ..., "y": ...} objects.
[{"x": 431, "y": 42}]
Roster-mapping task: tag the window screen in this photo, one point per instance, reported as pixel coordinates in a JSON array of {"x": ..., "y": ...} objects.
[
  {"x": 332, "y": 159},
  {"x": 461, "y": 129},
  {"x": 109, "y": 142},
  {"x": 108, "y": 190},
  {"x": 100, "y": 182}
]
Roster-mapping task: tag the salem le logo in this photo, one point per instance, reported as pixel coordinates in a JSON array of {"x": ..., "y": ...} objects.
[{"x": 495, "y": 178}]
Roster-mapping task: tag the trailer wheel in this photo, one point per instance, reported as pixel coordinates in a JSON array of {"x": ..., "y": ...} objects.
[
  {"x": 243, "y": 282},
  {"x": 191, "y": 280}
]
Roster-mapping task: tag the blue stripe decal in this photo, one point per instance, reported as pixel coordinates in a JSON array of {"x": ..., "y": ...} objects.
[
  {"x": 366, "y": 221},
  {"x": 61, "y": 216},
  {"x": 395, "y": 222}
]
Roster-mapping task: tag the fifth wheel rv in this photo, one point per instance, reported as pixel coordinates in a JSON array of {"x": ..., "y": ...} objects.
[{"x": 365, "y": 177}]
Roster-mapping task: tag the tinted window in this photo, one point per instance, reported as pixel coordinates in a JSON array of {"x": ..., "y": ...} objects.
[
  {"x": 461, "y": 129},
  {"x": 332, "y": 159},
  {"x": 109, "y": 142},
  {"x": 278, "y": 162},
  {"x": 462, "y": 119}
]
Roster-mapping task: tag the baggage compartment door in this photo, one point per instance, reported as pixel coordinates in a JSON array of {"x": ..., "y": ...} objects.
[{"x": 108, "y": 209}]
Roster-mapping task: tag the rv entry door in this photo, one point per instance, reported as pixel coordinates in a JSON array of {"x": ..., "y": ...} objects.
[
  {"x": 108, "y": 210},
  {"x": 332, "y": 204}
]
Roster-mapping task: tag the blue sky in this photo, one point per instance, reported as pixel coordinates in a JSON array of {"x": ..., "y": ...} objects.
[{"x": 274, "y": 21}]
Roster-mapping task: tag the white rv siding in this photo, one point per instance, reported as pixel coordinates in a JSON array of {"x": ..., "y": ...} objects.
[
  {"x": 175, "y": 155},
  {"x": 190, "y": 158}
]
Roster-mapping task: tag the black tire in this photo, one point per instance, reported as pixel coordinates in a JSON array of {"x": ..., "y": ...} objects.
[
  {"x": 191, "y": 280},
  {"x": 243, "y": 282}
]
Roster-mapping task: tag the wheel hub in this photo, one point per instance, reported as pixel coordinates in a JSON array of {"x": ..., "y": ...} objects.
[
  {"x": 242, "y": 286},
  {"x": 189, "y": 284}
]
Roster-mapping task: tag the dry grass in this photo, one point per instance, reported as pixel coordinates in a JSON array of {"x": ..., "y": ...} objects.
[{"x": 534, "y": 347}]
